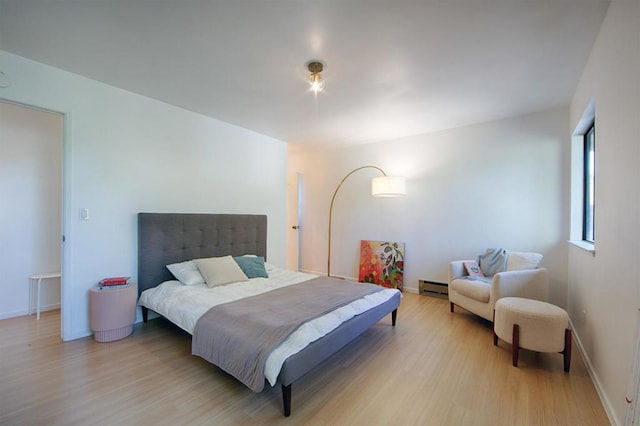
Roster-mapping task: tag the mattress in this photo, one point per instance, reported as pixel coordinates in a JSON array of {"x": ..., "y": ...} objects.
[{"x": 184, "y": 305}]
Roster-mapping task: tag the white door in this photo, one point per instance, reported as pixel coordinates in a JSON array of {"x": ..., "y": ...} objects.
[{"x": 294, "y": 181}]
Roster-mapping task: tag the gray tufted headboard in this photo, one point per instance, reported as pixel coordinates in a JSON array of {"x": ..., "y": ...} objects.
[{"x": 165, "y": 238}]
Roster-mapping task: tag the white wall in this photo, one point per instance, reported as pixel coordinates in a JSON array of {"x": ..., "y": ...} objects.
[
  {"x": 31, "y": 206},
  {"x": 124, "y": 153},
  {"x": 497, "y": 184},
  {"x": 605, "y": 286}
]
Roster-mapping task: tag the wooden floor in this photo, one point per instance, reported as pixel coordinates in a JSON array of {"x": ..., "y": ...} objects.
[{"x": 434, "y": 368}]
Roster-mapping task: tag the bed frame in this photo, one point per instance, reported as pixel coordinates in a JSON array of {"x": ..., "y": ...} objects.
[{"x": 165, "y": 238}]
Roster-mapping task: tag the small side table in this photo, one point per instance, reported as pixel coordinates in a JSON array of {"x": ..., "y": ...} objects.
[
  {"x": 38, "y": 279},
  {"x": 112, "y": 312}
]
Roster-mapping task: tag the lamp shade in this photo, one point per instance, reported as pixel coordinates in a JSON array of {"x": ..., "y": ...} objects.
[{"x": 388, "y": 186}]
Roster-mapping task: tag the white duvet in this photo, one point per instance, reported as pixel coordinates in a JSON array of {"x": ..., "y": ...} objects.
[{"x": 184, "y": 305}]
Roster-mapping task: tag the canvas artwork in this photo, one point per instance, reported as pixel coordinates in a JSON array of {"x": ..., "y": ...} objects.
[{"x": 382, "y": 263}]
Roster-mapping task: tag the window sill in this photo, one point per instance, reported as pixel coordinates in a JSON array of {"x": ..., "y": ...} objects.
[{"x": 584, "y": 245}]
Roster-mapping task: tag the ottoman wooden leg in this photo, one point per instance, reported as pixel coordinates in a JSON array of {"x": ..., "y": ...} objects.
[
  {"x": 495, "y": 336},
  {"x": 515, "y": 344},
  {"x": 451, "y": 306},
  {"x": 567, "y": 350}
]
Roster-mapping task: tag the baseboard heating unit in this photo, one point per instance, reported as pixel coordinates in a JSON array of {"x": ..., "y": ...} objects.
[{"x": 433, "y": 288}]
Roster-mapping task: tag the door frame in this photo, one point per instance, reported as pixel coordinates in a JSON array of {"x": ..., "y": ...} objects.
[
  {"x": 65, "y": 246},
  {"x": 293, "y": 214}
]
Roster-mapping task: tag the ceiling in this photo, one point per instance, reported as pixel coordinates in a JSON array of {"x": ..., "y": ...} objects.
[{"x": 392, "y": 68}]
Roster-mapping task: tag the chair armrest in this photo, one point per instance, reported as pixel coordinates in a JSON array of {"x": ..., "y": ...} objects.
[
  {"x": 456, "y": 270},
  {"x": 528, "y": 283}
]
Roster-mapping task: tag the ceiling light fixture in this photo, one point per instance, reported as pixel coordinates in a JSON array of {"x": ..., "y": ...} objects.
[{"x": 315, "y": 68}]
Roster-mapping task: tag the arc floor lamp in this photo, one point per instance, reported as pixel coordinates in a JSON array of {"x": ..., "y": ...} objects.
[{"x": 381, "y": 186}]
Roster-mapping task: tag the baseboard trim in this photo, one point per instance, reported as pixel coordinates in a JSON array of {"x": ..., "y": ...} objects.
[
  {"x": 25, "y": 312},
  {"x": 608, "y": 408},
  {"x": 13, "y": 314}
]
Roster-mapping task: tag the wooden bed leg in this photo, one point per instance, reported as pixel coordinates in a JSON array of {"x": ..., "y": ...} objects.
[
  {"x": 394, "y": 315},
  {"x": 451, "y": 306},
  {"x": 286, "y": 399},
  {"x": 145, "y": 314}
]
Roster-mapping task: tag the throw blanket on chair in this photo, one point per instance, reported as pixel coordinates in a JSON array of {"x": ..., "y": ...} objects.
[
  {"x": 239, "y": 336},
  {"x": 494, "y": 260}
]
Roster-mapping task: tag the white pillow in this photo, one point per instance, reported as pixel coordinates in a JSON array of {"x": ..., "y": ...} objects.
[
  {"x": 220, "y": 270},
  {"x": 186, "y": 272},
  {"x": 518, "y": 261}
]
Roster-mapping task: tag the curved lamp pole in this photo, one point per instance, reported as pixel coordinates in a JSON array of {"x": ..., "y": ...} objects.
[{"x": 388, "y": 186}]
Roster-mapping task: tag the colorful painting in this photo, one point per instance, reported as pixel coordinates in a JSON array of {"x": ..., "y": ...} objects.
[{"x": 382, "y": 263}]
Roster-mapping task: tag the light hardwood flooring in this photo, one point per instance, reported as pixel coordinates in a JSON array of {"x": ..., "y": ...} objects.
[{"x": 433, "y": 368}]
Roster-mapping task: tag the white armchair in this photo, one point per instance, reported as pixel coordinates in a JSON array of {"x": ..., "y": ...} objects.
[{"x": 522, "y": 278}]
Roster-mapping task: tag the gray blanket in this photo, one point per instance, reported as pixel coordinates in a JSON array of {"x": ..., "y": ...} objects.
[
  {"x": 239, "y": 336},
  {"x": 494, "y": 260}
]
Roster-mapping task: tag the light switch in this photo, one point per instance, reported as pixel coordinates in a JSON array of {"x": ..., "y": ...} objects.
[{"x": 84, "y": 214}]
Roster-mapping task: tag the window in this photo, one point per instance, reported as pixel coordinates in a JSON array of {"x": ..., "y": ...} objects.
[
  {"x": 583, "y": 169},
  {"x": 588, "y": 196}
]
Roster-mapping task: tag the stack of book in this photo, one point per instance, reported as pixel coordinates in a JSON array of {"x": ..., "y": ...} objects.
[{"x": 113, "y": 282}]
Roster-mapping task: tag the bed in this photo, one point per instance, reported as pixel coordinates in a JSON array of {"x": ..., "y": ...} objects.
[{"x": 170, "y": 238}]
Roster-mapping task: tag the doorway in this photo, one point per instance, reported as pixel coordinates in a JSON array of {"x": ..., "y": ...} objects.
[{"x": 31, "y": 170}]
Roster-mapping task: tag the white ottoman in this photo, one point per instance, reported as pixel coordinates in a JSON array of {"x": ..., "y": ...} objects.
[{"x": 534, "y": 325}]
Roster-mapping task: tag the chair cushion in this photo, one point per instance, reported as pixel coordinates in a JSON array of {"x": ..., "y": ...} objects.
[
  {"x": 518, "y": 261},
  {"x": 476, "y": 289}
]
